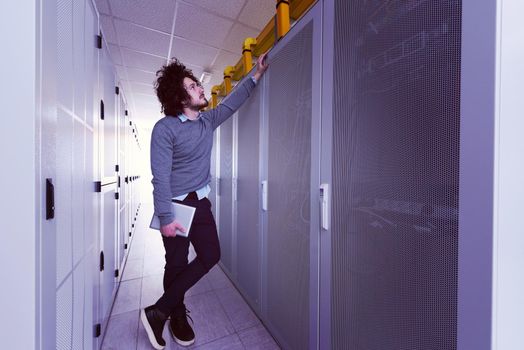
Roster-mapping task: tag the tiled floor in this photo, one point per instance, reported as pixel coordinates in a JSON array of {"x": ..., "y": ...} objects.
[{"x": 222, "y": 319}]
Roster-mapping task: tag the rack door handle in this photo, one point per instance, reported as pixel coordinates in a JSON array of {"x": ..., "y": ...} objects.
[{"x": 49, "y": 199}]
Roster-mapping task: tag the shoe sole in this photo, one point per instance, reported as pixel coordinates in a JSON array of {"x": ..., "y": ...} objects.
[
  {"x": 149, "y": 331},
  {"x": 179, "y": 341}
]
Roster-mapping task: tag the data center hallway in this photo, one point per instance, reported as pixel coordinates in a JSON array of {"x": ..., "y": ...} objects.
[{"x": 222, "y": 319}]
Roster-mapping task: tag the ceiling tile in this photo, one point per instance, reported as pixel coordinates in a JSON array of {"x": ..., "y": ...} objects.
[
  {"x": 116, "y": 56},
  {"x": 225, "y": 59},
  {"x": 108, "y": 31},
  {"x": 196, "y": 25},
  {"x": 156, "y": 14},
  {"x": 236, "y": 38},
  {"x": 216, "y": 79},
  {"x": 142, "y": 61},
  {"x": 140, "y": 88},
  {"x": 257, "y": 13},
  {"x": 229, "y": 8},
  {"x": 136, "y": 75},
  {"x": 102, "y": 6},
  {"x": 146, "y": 118},
  {"x": 146, "y": 101},
  {"x": 192, "y": 53},
  {"x": 197, "y": 71},
  {"x": 142, "y": 39}
]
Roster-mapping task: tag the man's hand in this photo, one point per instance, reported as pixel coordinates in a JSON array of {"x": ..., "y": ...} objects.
[
  {"x": 169, "y": 230},
  {"x": 261, "y": 66}
]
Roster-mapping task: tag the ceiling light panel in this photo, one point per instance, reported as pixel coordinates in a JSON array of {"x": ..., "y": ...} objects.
[
  {"x": 142, "y": 61},
  {"x": 108, "y": 31},
  {"x": 192, "y": 53},
  {"x": 142, "y": 39},
  {"x": 257, "y": 13},
  {"x": 228, "y": 8},
  {"x": 196, "y": 24},
  {"x": 156, "y": 14},
  {"x": 236, "y": 38}
]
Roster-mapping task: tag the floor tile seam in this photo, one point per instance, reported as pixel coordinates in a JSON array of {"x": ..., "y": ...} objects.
[
  {"x": 126, "y": 311},
  {"x": 116, "y": 300},
  {"x": 217, "y": 339},
  {"x": 197, "y": 293},
  {"x": 225, "y": 312},
  {"x": 138, "y": 320},
  {"x": 130, "y": 279},
  {"x": 259, "y": 325},
  {"x": 262, "y": 325},
  {"x": 109, "y": 322},
  {"x": 152, "y": 274},
  {"x": 245, "y": 303}
]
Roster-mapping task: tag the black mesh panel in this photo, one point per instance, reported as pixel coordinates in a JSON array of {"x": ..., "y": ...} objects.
[{"x": 395, "y": 174}]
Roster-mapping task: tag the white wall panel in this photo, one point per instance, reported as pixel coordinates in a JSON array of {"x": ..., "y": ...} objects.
[
  {"x": 21, "y": 199},
  {"x": 508, "y": 229}
]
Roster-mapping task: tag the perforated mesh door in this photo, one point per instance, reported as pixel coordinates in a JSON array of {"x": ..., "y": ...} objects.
[
  {"x": 289, "y": 170},
  {"x": 64, "y": 314},
  {"x": 395, "y": 174},
  {"x": 248, "y": 197},
  {"x": 109, "y": 123},
  {"x": 109, "y": 251},
  {"x": 64, "y": 160},
  {"x": 225, "y": 230},
  {"x": 213, "y": 173}
]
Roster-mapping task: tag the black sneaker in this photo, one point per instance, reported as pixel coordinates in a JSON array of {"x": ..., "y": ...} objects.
[
  {"x": 153, "y": 321},
  {"x": 181, "y": 330}
]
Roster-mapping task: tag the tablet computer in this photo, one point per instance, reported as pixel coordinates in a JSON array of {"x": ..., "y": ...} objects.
[{"x": 183, "y": 214}]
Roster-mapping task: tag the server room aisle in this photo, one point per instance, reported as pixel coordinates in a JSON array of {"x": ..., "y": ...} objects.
[{"x": 222, "y": 318}]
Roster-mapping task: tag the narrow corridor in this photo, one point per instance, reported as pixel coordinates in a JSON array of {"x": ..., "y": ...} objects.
[{"x": 222, "y": 319}]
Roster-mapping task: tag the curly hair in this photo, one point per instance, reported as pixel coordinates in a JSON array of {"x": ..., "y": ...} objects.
[{"x": 169, "y": 87}]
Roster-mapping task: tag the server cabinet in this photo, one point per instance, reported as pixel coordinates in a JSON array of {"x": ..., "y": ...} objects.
[
  {"x": 225, "y": 198},
  {"x": 272, "y": 254},
  {"x": 215, "y": 158},
  {"x": 248, "y": 198},
  {"x": 91, "y": 212},
  {"x": 395, "y": 175},
  {"x": 109, "y": 209},
  {"x": 289, "y": 175}
]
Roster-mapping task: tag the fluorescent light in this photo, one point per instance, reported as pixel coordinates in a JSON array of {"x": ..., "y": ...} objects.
[{"x": 205, "y": 78}]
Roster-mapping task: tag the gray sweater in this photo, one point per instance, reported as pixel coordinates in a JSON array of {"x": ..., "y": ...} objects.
[{"x": 181, "y": 151}]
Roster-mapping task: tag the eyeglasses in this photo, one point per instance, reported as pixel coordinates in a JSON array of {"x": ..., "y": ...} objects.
[{"x": 193, "y": 86}]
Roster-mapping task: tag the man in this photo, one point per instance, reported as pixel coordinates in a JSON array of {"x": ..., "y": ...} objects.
[{"x": 181, "y": 145}]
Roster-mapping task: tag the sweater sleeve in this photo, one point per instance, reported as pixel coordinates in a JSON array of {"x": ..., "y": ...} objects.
[
  {"x": 231, "y": 103},
  {"x": 161, "y": 164}
]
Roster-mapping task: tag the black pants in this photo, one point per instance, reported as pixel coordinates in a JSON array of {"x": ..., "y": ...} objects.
[{"x": 179, "y": 275}]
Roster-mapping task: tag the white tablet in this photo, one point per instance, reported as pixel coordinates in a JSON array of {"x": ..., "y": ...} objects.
[{"x": 183, "y": 214}]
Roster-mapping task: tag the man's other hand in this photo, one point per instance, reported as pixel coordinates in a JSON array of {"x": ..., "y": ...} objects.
[
  {"x": 169, "y": 230},
  {"x": 261, "y": 66}
]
